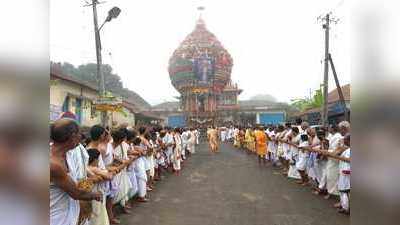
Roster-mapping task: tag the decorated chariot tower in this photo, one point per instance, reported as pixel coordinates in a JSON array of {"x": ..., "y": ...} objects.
[{"x": 200, "y": 69}]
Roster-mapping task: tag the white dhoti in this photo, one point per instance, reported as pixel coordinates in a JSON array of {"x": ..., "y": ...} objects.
[
  {"x": 99, "y": 215},
  {"x": 151, "y": 162},
  {"x": 287, "y": 154},
  {"x": 293, "y": 172},
  {"x": 191, "y": 148},
  {"x": 323, "y": 179},
  {"x": 332, "y": 176},
  {"x": 176, "y": 157},
  {"x": 319, "y": 168},
  {"x": 344, "y": 182},
  {"x": 142, "y": 191},
  {"x": 301, "y": 163},
  {"x": 344, "y": 189},
  {"x": 183, "y": 151},
  {"x": 132, "y": 177},
  {"x": 123, "y": 188},
  {"x": 223, "y": 136},
  {"x": 280, "y": 151},
  {"x": 168, "y": 153},
  {"x": 141, "y": 177},
  {"x": 177, "y": 164},
  {"x": 63, "y": 209},
  {"x": 344, "y": 200}
]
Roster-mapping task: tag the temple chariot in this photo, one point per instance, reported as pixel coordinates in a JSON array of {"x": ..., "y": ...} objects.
[{"x": 200, "y": 70}]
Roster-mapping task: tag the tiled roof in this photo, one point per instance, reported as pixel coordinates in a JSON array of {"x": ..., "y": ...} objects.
[
  {"x": 55, "y": 72},
  {"x": 333, "y": 96}
]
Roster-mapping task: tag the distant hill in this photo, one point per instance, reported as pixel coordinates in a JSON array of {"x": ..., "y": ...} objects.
[{"x": 263, "y": 97}]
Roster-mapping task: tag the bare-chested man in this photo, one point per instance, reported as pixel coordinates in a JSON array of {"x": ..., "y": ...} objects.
[{"x": 64, "y": 193}]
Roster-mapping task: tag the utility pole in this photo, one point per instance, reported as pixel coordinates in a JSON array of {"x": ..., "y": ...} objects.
[
  {"x": 112, "y": 13},
  {"x": 98, "y": 48},
  {"x": 326, "y": 71},
  {"x": 100, "y": 75}
]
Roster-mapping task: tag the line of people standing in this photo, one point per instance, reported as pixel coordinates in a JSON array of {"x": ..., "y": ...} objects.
[
  {"x": 317, "y": 158},
  {"x": 90, "y": 177}
]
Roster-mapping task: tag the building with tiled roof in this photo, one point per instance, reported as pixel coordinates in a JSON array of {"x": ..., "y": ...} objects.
[
  {"x": 335, "y": 108},
  {"x": 68, "y": 93}
]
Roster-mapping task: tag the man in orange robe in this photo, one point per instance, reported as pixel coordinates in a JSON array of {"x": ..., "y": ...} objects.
[{"x": 261, "y": 144}]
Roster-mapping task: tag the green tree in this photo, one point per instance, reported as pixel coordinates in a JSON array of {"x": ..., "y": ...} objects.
[
  {"x": 301, "y": 104},
  {"x": 113, "y": 83}
]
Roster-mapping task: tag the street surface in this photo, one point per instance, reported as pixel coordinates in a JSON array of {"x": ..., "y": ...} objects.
[{"x": 231, "y": 188}]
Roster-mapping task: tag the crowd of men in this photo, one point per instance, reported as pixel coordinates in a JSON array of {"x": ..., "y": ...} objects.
[
  {"x": 111, "y": 168},
  {"x": 314, "y": 156}
]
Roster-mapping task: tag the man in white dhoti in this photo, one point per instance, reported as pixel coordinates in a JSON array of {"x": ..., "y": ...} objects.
[
  {"x": 197, "y": 134},
  {"x": 272, "y": 147},
  {"x": 120, "y": 151},
  {"x": 293, "y": 153},
  {"x": 303, "y": 155},
  {"x": 344, "y": 177},
  {"x": 269, "y": 132},
  {"x": 185, "y": 142},
  {"x": 111, "y": 188},
  {"x": 319, "y": 163},
  {"x": 286, "y": 148},
  {"x": 140, "y": 171},
  {"x": 145, "y": 137},
  {"x": 63, "y": 192},
  {"x": 230, "y": 134},
  {"x": 331, "y": 175},
  {"x": 235, "y": 137},
  {"x": 169, "y": 142},
  {"x": 160, "y": 153},
  {"x": 223, "y": 134},
  {"x": 152, "y": 137},
  {"x": 177, "y": 151},
  {"x": 78, "y": 157},
  {"x": 130, "y": 136},
  {"x": 192, "y": 141},
  {"x": 312, "y": 164},
  {"x": 99, "y": 140},
  {"x": 99, "y": 215}
]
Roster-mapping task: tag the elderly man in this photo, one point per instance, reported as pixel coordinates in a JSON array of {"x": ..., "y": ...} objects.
[
  {"x": 64, "y": 193},
  {"x": 78, "y": 157}
]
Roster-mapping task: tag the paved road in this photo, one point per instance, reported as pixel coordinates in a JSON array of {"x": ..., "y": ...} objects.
[{"x": 231, "y": 188}]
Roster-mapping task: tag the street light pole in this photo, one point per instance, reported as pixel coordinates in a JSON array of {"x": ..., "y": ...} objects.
[
  {"x": 100, "y": 75},
  {"x": 113, "y": 13}
]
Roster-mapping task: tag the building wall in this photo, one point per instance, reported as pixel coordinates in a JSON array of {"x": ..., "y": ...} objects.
[
  {"x": 176, "y": 121},
  {"x": 61, "y": 89},
  {"x": 270, "y": 118},
  {"x": 119, "y": 118}
]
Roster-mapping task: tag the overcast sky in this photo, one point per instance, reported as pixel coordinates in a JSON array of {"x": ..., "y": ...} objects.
[{"x": 276, "y": 46}]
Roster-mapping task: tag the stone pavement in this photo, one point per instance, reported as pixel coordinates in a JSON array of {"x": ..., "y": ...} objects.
[{"x": 231, "y": 188}]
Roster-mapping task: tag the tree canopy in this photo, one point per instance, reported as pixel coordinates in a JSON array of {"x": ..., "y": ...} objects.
[
  {"x": 307, "y": 103},
  {"x": 88, "y": 72}
]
